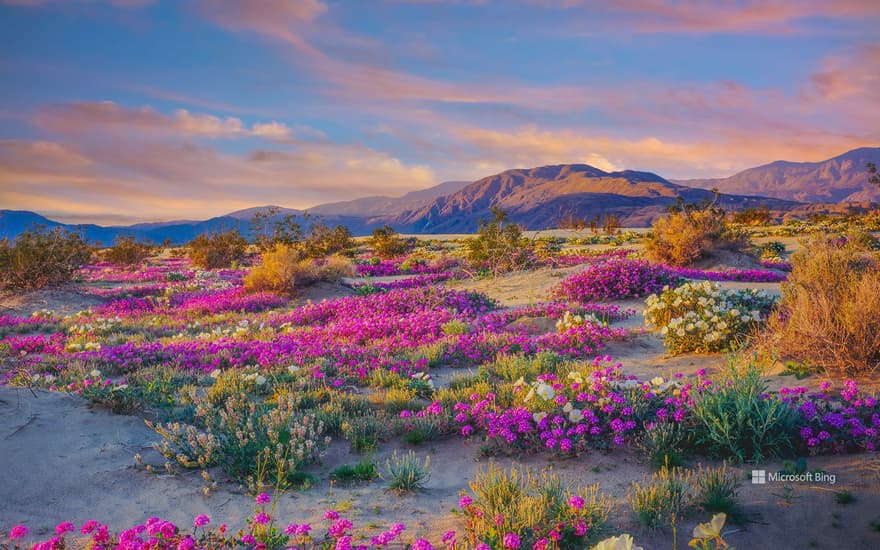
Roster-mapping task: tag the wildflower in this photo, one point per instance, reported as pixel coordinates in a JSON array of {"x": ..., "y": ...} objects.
[
  {"x": 291, "y": 529},
  {"x": 18, "y": 532},
  {"x": 262, "y": 518},
  {"x": 331, "y": 514},
  {"x": 64, "y": 527},
  {"x": 248, "y": 539},
  {"x": 263, "y": 498},
  {"x": 511, "y": 541},
  {"x": 541, "y": 544},
  {"x": 710, "y": 530},
  {"x": 576, "y": 502},
  {"x": 465, "y": 501},
  {"x": 201, "y": 520},
  {"x": 421, "y": 544},
  {"x": 622, "y": 542},
  {"x": 186, "y": 544}
]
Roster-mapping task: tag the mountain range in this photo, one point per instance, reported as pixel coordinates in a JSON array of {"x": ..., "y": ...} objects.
[{"x": 538, "y": 198}]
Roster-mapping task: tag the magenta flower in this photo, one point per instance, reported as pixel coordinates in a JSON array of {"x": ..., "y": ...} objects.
[
  {"x": 186, "y": 544},
  {"x": 263, "y": 498},
  {"x": 331, "y": 514},
  {"x": 511, "y": 541},
  {"x": 262, "y": 518},
  {"x": 18, "y": 532},
  {"x": 576, "y": 502},
  {"x": 421, "y": 544},
  {"x": 291, "y": 529},
  {"x": 248, "y": 539},
  {"x": 201, "y": 520},
  {"x": 64, "y": 527},
  {"x": 465, "y": 501}
]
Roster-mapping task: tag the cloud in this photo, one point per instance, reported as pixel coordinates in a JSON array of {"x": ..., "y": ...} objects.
[
  {"x": 106, "y": 117},
  {"x": 117, "y": 3},
  {"x": 153, "y": 181}
]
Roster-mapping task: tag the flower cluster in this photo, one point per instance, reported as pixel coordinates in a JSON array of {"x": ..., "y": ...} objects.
[
  {"x": 615, "y": 279},
  {"x": 703, "y": 317}
]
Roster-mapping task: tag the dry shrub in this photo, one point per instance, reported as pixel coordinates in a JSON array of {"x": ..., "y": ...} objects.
[
  {"x": 830, "y": 308},
  {"x": 688, "y": 235},
  {"x": 127, "y": 252},
  {"x": 284, "y": 268},
  {"x": 217, "y": 250},
  {"x": 42, "y": 257}
]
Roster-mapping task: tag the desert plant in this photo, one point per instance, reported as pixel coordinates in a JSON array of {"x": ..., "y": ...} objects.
[
  {"x": 830, "y": 308},
  {"x": 365, "y": 470},
  {"x": 320, "y": 241},
  {"x": 534, "y": 506},
  {"x": 736, "y": 419},
  {"x": 753, "y": 216},
  {"x": 406, "y": 474},
  {"x": 127, "y": 251},
  {"x": 666, "y": 494},
  {"x": 40, "y": 257},
  {"x": 388, "y": 244},
  {"x": 661, "y": 444},
  {"x": 613, "y": 279},
  {"x": 217, "y": 250},
  {"x": 716, "y": 491},
  {"x": 499, "y": 246},
  {"x": 284, "y": 269},
  {"x": 691, "y": 233}
]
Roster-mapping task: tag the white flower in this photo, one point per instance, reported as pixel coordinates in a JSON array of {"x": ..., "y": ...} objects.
[
  {"x": 216, "y": 373},
  {"x": 575, "y": 416},
  {"x": 539, "y": 416},
  {"x": 546, "y": 392},
  {"x": 95, "y": 373},
  {"x": 260, "y": 379},
  {"x": 622, "y": 542},
  {"x": 657, "y": 381}
]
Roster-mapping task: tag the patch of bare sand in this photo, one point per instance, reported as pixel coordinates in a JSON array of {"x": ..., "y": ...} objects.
[{"x": 65, "y": 300}]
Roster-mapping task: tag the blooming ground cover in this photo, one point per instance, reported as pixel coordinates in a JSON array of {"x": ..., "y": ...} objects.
[{"x": 259, "y": 384}]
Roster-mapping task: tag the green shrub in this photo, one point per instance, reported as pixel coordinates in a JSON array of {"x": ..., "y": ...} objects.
[
  {"x": 830, "y": 308},
  {"x": 39, "y": 258},
  {"x": 217, "y": 250},
  {"x": 692, "y": 233},
  {"x": 735, "y": 419},
  {"x": 406, "y": 474},
  {"x": 661, "y": 444},
  {"x": 716, "y": 491},
  {"x": 365, "y": 470},
  {"x": 127, "y": 252},
  {"x": 499, "y": 246},
  {"x": 365, "y": 432},
  {"x": 388, "y": 244},
  {"x": 772, "y": 249}
]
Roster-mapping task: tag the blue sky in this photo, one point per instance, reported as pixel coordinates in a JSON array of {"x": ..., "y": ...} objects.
[{"x": 141, "y": 110}]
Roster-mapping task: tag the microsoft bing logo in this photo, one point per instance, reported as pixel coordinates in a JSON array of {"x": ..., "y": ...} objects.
[{"x": 759, "y": 477}]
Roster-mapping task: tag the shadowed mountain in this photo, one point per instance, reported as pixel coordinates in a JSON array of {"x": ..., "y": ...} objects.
[
  {"x": 843, "y": 178},
  {"x": 539, "y": 198}
]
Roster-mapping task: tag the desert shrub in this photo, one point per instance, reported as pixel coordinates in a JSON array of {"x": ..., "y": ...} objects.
[
  {"x": 690, "y": 234},
  {"x": 830, "y": 308},
  {"x": 661, "y": 444},
  {"x": 406, "y": 474},
  {"x": 703, "y": 317},
  {"x": 736, "y": 420},
  {"x": 656, "y": 499},
  {"x": 499, "y": 246},
  {"x": 614, "y": 279},
  {"x": 716, "y": 491},
  {"x": 284, "y": 269},
  {"x": 365, "y": 432},
  {"x": 253, "y": 442},
  {"x": 753, "y": 216},
  {"x": 320, "y": 241},
  {"x": 217, "y": 250},
  {"x": 127, "y": 251},
  {"x": 38, "y": 258},
  {"x": 365, "y": 470},
  {"x": 772, "y": 250},
  {"x": 533, "y": 507},
  {"x": 387, "y": 243}
]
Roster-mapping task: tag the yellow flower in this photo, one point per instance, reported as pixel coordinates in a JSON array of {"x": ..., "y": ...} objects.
[
  {"x": 710, "y": 529},
  {"x": 623, "y": 542}
]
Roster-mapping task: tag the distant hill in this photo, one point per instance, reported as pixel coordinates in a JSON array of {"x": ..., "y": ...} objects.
[
  {"x": 843, "y": 178},
  {"x": 371, "y": 207},
  {"x": 540, "y": 198}
]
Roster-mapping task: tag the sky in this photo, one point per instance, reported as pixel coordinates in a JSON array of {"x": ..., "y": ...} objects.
[{"x": 121, "y": 111}]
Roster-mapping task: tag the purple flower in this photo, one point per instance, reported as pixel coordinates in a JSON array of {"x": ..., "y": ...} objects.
[
  {"x": 248, "y": 539},
  {"x": 262, "y": 518},
  {"x": 201, "y": 520},
  {"x": 64, "y": 527},
  {"x": 511, "y": 541},
  {"x": 576, "y": 502},
  {"x": 331, "y": 514},
  {"x": 465, "y": 501},
  {"x": 421, "y": 544},
  {"x": 18, "y": 532},
  {"x": 186, "y": 544},
  {"x": 263, "y": 498}
]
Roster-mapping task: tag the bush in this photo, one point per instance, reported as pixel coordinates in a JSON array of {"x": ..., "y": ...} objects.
[
  {"x": 321, "y": 241},
  {"x": 830, "y": 309},
  {"x": 690, "y": 234},
  {"x": 388, "y": 244},
  {"x": 735, "y": 419},
  {"x": 716, "y": 491},
  {"x": 407, "y": 473},
  {"x": 703, "y": 317},
  {"x": 217, "y": 250},
  {"x": 533, "y": 506},
  {"x": 655, "y": 500},
  {"x": 661, "y": 445},
  {"x": 499, "y": 246},
  {"x": 127, "y": 252},
  {"x": 284, "y": 269},
  {"x": 614, "y": 279},
  {"x": 39, "y": 258}
]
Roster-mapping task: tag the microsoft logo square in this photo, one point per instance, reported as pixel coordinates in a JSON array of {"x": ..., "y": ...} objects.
[{"x": 759, "y": 477}]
